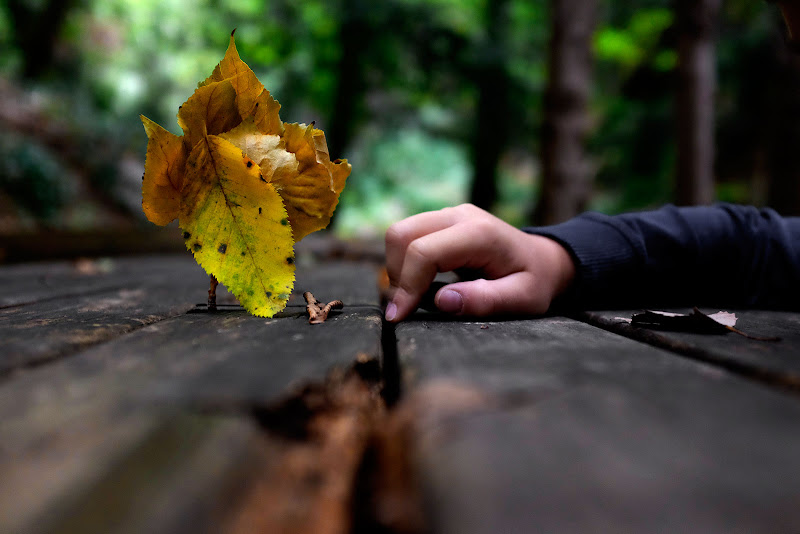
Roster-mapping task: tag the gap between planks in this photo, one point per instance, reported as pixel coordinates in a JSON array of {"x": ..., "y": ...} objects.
[
  {"x": 766, "y": 377},
  {"x": 338, "y": 455}
]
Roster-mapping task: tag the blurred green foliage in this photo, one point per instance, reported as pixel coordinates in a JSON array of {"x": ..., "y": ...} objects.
[
  {"x": 393, "y": 83},
  {"x": 31, "y": 174}
]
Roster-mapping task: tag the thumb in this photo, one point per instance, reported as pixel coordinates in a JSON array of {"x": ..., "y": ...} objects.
[{"x": 515, "y": 293}]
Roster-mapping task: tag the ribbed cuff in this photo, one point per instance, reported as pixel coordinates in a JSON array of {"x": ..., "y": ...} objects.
[{"x": 604, "y": 256}]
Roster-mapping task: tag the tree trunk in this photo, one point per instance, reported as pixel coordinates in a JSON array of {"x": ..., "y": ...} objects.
[
  {"x": 783, "y": 132},
  {"x": 35, "y": 32},
  {"x": 695, "y": 23},
  {"x": 354, "y": 31},
  {"x": 492, "y": 114},
  {"x": 566, "y": 172}
]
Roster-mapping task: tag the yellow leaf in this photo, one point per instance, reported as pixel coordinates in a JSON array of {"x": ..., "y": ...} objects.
[
  {"x": 211, "y": 110},
  {"x": 312, "y": 195},
  {"x": 253, "y": 99},
  {"x": 266, "y": 114},
  {"x": 245, "y": 185},
  {"x": 236, "y": 226},
  {"x": 163, "y": 174},
  {"x": 299, "y": 140},
  {"x": 268, "y": 151},
  {"x": 340, "y": 170}
]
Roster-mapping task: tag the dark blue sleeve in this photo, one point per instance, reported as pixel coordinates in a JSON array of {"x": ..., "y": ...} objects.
[{"x": 723, "y": 255}]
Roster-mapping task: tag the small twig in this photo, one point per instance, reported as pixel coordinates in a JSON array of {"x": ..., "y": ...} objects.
[
  {"x": 750, "y": 336},
  {"x": 212, "y": 294},
  {"x": 317, "y": 312}
]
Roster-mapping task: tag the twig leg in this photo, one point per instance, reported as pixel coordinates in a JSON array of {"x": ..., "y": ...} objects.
[{"x": 212, "y": 294}]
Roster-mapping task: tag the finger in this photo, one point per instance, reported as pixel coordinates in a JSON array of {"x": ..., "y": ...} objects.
[
  {"x": 517, "y": 293},
  {"x": 442, "y": 251},
  {"x": 403, "y": 233}
]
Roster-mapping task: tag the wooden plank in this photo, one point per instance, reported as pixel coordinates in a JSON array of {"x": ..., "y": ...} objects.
[
  {"x": 775, "y": 362},
  {"x": 176, "y": 474},
  {"x": 42, "y": 332},
  {"x": 134, "y": 294},
  {"x": 34, "y": 282},
  {"x": 227, "y": 359},
  {"x": 62, "y": 417},
  {"x": 352, "y": 282},
  {"x": 552, "y": 425}
]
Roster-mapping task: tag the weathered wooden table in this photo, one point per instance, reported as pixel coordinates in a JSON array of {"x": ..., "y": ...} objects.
[{"x": 126, "y": 407}]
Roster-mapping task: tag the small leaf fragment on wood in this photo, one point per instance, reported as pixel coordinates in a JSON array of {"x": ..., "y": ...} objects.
[
  {"x": 696, "y": 322},
  {"x": 317, "y": 311}
]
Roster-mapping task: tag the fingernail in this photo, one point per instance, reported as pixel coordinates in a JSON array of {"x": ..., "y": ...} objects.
[
  {"x": 450, "y": 301},
  {"x": 391, "y": 311}
]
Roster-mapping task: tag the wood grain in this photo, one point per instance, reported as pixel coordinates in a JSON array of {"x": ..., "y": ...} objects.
[
  {"x": 72, "y": 418},
  {"x": 60, "y": 311},
  {"x": 776, "y": 362},
  {"x": 552, "y": 425}
]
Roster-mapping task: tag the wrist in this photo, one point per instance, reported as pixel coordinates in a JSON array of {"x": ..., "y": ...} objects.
[{"x": 553, "y": 262}]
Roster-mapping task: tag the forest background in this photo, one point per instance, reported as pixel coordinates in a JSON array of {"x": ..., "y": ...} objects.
[{"x": 535, "y": 110}]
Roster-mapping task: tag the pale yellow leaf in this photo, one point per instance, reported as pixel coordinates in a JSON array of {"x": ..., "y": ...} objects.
[{"x": 237, "y": 227}]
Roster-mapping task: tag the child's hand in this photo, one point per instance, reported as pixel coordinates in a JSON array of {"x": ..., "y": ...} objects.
[{"x": 523, "y": 272}]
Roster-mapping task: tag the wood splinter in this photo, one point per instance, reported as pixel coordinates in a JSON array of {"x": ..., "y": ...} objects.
[
  {"x": 317, "y": 312},
  {"x": 212, "y": 293}
]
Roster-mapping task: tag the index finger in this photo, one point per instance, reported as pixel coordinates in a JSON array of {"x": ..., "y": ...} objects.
[
  {"x": 401, "y": 234},
  {"x": 448, "y": 249}
]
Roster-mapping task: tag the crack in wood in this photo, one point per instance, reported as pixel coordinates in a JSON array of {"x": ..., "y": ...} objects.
[
  {"x": 317, "y": 439},
  {"x": 337, "y": 458}
]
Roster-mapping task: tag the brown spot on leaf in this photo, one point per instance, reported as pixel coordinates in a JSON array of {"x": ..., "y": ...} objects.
[
  {"x": 259, "y": 211},
  {"x": 197, "y": 246},
  {"x": 186, "y": 235},
  {"x": 290, "y": 260},
  {"x": 249, "y": 164},
  {"x": 222, "y": 248},
  {"x": 284, "y": 221}
]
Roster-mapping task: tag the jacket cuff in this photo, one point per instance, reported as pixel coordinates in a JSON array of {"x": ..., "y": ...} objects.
[{"x": 604, "y": 256}]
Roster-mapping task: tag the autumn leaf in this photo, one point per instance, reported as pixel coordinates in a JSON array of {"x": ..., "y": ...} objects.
[
  {"x": 308, "y": 182},
  {"x": 696, "y": 322},
  {"x": 244, "y": 185},
  {"x": 164, "y": 171}
]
